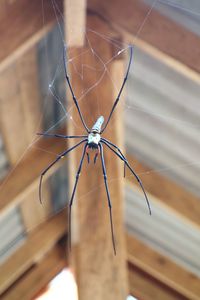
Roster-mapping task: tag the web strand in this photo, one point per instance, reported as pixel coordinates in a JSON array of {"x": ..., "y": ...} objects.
[{"x": 101, "y": 70}]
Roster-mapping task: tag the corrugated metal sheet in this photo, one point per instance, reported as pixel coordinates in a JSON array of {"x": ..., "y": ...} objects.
[
  {"x": 12, "y": 230},
  {"x": 163, "y": 120},
  {"x": 163, "y": 231},
  {"x": 184, "y": 12},
  {"x": 3, "y": 160},
  {"x": 12, "y": 233},
  {"x": 59, "y": 187},
  {"x": 51, "y": 72}
]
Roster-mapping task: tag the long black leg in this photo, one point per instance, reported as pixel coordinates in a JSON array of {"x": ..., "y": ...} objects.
[
  {"x": 55, "y": 161},
  {"x": 74, "y": 190},
  {"x": 116, "y": 147},
  {"x": 121, "y": 89},
  {"x": 108, "y": 195},
  {"x": 132, "y": 171},
  {"x": 71, "y": 90},
  {"x": 62, "y": 136}
]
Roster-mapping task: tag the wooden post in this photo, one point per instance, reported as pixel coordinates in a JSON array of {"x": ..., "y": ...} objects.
[
  {"x": 75, "y": 16},
  {"x": 99, "y": 273}
]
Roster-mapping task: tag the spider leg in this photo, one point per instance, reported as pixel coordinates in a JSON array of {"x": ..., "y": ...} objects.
[
  {"x": 96, "y": 155},
  {"x": 121, "y": 89},
  {"x": 116, "y": 147},
  {"x": 74, "y": 190},
  {"x": 62, "y": 136},
  {"x": 88, "y": 156},
  {"x": 132, "y": 171},
  {"x": 53, "y": 163},
  {"x": 71, "y": 90},
  {"x": 108, "y": 195}
]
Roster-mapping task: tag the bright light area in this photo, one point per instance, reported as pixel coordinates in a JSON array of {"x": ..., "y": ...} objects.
[{"x": 62, "y": 287}]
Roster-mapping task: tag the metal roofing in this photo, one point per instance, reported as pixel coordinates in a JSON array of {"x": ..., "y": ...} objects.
[
  {"x": 163, "y": 120},
  {"x": 162, "y": 125}
]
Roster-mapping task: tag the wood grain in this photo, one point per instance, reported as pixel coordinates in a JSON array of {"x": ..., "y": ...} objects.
[
  {"x": 27, "y": 27},
  {"x": 11, "y": 115},
  {"x": 169, "y": 194},
  {"x": 27, "y": 75},
  {"x": 161, "y": 269},
  {"x": 37, "y": 277},
  {"x": 146, "y": 287},
  {"x": 33, "y": 214},
  {"x": 38, "y": 243},
  {"x": 100, "y": 275},
  {"x": 158, "y": 31},
  {"x": 24, "y": 178},
  {"x": 75, "y": 31}
]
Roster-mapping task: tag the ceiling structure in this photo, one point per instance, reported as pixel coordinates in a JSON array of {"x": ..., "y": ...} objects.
[
  {"x": 162, "y": 142},
  {"x": 162, "y": 130}
]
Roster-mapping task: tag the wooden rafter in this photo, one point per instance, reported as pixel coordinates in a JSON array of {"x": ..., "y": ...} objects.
[
  {"x": 162, "y": 270},
  {"x": 25, "y": 176},
  {"x": 170, "y": 198},
  {"x": 152, "y": 265},
  {"x": 21, "y": 104},
  {"x": 38, "y": 276},
  {"x": 146, "y": 287},
  {"x": 20, "y": 31},
  {"x": 169, "y": 194},
  {"x": 158, "y": 35},
  {"x": 38, "y": 243},
  {"x": 151, "y": 276}
]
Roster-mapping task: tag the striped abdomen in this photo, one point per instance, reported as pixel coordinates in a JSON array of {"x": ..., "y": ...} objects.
[{"x": 97, "y": 125}]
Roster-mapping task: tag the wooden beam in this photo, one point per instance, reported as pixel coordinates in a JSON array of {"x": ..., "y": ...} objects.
[
  {"x": 162, "y": 269},
  {"x": 39, "y": 242},
  {"x": 171, "y": 39},
  {"x": 33, "y": 214},
  {"x": 169, "y": 61},
  {"x": 11, "y": 109},
  {"x": 168, "y": 193},
  {"x": 20, "y": 31},
  {"x": 75, "y": 30},
  {"x": 38, "y": 276},
  {"x": 100, "y": 274},
  {"x": 21, "y": 104},
  {"x": 27, "y": 74},
  {"x": 24, "y": 178},
  {"x": 143, "y": 286},
  {"x": 2, "y": 8},
  {"x": 29, "y": 90}
]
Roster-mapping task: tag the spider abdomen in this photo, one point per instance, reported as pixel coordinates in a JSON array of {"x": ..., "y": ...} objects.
[{"x": 97, "y": 125}]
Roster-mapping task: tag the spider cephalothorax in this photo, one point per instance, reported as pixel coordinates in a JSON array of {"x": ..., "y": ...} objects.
[{"x": 93, "y": 140}]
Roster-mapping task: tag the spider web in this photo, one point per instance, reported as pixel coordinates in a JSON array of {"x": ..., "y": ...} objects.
[
  {"x": 58, "y": 113},
  {"x": 139, "y": 111}
]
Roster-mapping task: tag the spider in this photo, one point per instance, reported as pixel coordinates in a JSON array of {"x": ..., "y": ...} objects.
[{"x": 93, "y": 141}]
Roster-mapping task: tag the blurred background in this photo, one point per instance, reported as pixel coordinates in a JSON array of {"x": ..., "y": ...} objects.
[{"x": 156, "y": 123}]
